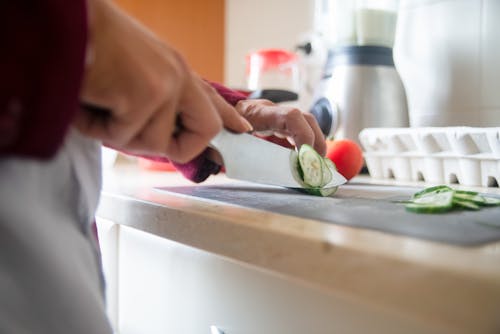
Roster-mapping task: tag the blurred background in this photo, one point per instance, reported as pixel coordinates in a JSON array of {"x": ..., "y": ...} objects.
[{"x": 215, "y": 35}]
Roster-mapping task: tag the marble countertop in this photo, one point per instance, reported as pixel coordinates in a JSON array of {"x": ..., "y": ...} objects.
[{"x": 428, "y": 281}]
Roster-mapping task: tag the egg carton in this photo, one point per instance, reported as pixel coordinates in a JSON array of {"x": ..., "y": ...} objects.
[{"x": 469, "y": 156}]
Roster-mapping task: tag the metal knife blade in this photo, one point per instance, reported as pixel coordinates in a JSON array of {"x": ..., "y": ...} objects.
[{"x": 253, "y": 159}]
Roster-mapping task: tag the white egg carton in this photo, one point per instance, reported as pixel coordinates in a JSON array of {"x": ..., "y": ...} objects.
[{"x": 465, "y": 155}]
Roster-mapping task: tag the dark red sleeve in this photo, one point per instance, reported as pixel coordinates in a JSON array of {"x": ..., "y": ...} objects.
[
  {"x": 41, "y": 66},
  {"x": 231, "y": 96}
]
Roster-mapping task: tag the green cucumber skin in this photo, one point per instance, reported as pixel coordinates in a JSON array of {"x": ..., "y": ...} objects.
[
  {"x": 437, "y": 200},
  {"x": 424, "y": 201},
  {"x": 476, "y": 199},
  {"x": 435, "y": 189},
  {"x": 466, "y": 205},
  {"x": 466, "y": 192},
  {"x": 491, "y": 201},
  {"x": 422, "y": 208},
  {"x": 322, "y": 192}
]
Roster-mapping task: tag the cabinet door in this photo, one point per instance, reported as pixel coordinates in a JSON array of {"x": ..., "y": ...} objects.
[
  {"x": 194, "y": 27},
  {"x": 167, "y": 287}
]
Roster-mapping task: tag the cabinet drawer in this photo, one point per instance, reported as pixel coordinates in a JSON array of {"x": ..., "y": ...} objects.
[{"x": 167, "y": 287}]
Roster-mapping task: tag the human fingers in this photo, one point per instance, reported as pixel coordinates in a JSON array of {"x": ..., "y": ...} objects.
[
  {"x": 198, "y": 122},
  {"x": 319, "y": 137},
  {"x": 136, "y": 79},
  {"x": 154, "y": 137},
  {"x": 123, "y": 125},
  {"x": 284, "y": 121},
  {"x": 231, "y": 119}
]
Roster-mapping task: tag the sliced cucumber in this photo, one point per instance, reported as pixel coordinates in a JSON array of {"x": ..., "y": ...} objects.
[
  {"x": 297, "y": 172},
  {"x": 323, "y": 192},
  {"x": 466, "y": 204},
  {"x": 312, "y": 166},
  {"x": 443, "y": 198},
  {"x": 432, "y": 202},
  {"x": 491, "y": 201},
  {"x": 313, "y": 172},
  {"x": 431, "y": 190},
  {"x": 466, "y": 192},
  {"x": 327, "y": 174},
  {"x": 470, "y": 198}
]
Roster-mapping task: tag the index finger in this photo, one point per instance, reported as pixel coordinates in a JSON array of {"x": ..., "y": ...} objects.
[{"x": 199, "y": 123}]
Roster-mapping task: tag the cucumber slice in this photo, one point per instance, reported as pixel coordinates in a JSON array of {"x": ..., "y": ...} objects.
[
  {"x": 465, "y": 204},
  {"x": 466, "y": 192},
  {"x": 435, "y": 189},
  {"x": 327, "y": 174},
  {"x": 474, "y": 197},
  {"x": 443, "y": 198},
  {"x": 300, "y": 171},
  {"x": 297, "y": 172},
  {"x": 491, "y": 201},
  {"x": 464, "y": 197},
  {"x": 323, "y": 192},
  {"x": 435, "y": 201},
  {"x": 312, "y": 166}
]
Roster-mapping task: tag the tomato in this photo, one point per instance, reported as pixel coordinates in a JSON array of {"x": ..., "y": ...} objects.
[{"x": 346, "y": 155}]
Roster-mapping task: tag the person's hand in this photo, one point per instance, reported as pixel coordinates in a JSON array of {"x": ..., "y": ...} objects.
[
  {"x": 269, "y": 118},
  {"x": 156, "y": 105}
]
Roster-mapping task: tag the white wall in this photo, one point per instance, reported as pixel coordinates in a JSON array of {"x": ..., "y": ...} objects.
[{"x": 256, "y": 24}]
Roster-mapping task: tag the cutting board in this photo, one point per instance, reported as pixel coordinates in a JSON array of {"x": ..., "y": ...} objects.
[{"x": 359, "y": 205}]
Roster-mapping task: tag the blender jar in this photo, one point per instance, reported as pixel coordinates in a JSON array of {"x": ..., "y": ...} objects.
[
  {"x": 342, "y": 23},
  {"x": 376, "y": 22}
]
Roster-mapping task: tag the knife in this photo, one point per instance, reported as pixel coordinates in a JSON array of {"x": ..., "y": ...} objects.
[{"x": 249, "y": 158}]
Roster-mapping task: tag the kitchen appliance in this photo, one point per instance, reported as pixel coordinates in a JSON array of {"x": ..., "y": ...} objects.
[
  {"x": 360, "y": 87},
  {"x": 249, "y": 158},
  {"x": 448, "y": 55}
]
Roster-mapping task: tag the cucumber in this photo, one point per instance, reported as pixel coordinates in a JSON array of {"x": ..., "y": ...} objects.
[
  {"x": 469, "y": 198},
  {"x": 431, "y": 190},
  {"x": 466, "y": 204},
  {"x": 443, "y": 198},
  {"x": 323, "y": 192},
  {"x": 491, "y": 201},
  {"x": 327, "y": 174},
  {"x": 313, "y": 172},
  {"x": 312, "y": 165},
  {"x": 432, "y": 202},
  {"x": 466, "y": 192}
]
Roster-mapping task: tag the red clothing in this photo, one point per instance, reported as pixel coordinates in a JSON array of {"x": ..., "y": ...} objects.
[{"x": 41, "y": 63}]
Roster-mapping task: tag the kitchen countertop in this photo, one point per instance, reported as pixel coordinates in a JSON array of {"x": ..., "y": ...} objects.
[{"x": 452, "y": 288}]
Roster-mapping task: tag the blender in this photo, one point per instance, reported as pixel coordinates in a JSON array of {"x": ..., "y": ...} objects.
[{"x": 360, "y": 87}]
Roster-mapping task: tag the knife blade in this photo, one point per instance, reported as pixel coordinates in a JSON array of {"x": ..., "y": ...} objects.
[{"x": 249, "y": 158}]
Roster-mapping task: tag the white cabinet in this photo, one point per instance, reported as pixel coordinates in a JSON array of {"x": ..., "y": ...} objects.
[{"x": 166, "y": 287}]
